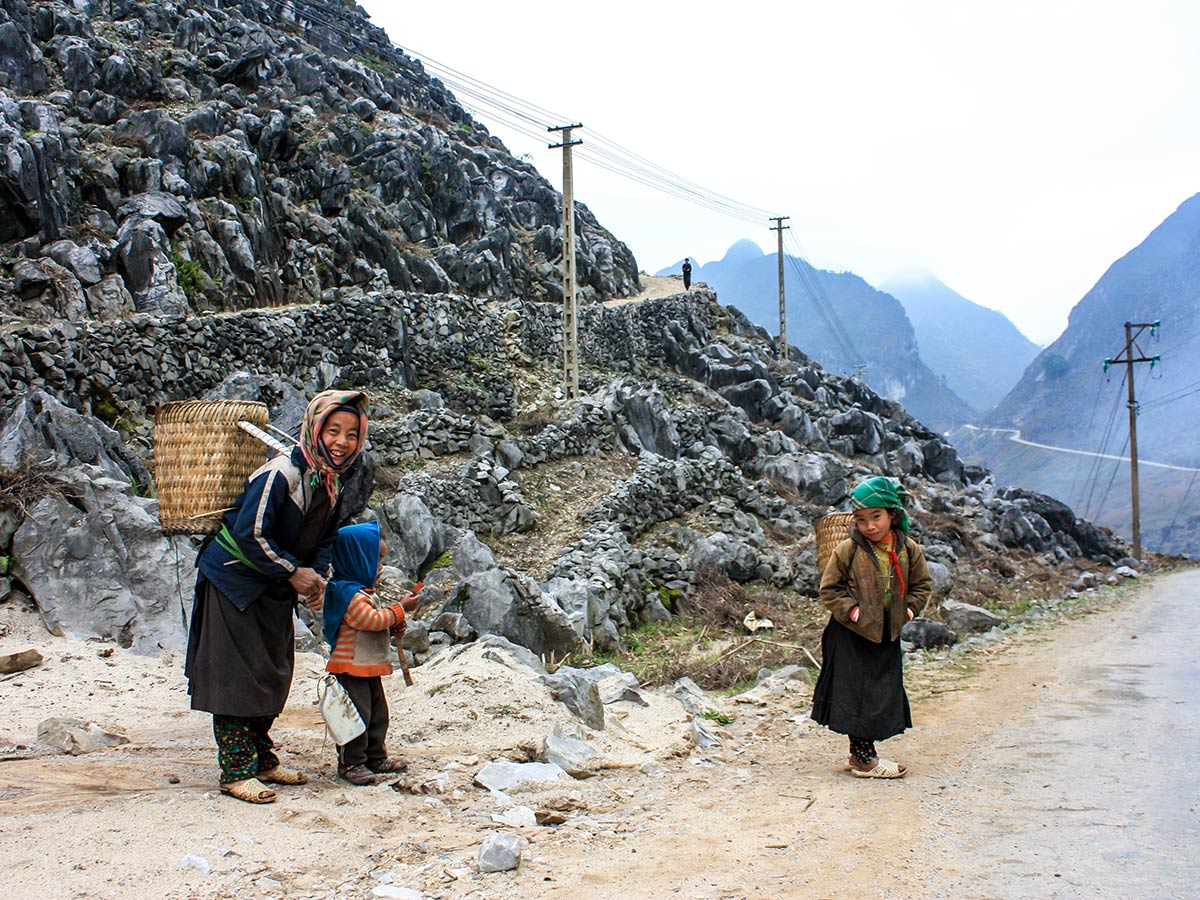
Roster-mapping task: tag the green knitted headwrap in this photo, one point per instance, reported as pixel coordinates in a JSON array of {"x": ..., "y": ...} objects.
[{"x": 882, "y": 493}]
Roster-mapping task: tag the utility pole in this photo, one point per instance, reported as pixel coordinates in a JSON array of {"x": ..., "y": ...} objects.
[
  {"x": 779, "y": 228},
  {"x": 570, "y": 309},
  {"x": 1127, "y": 356}
]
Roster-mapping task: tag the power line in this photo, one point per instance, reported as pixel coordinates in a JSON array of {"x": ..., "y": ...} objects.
[
  {"x": 1175, "y": 518},
  {"x": 523, "y": 117}
]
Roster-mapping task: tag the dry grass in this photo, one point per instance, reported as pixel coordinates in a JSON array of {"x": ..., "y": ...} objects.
[
  {"x": 24, "y": 486},
  {"x": 707, "y": 642},
  {"x": 532, "y": 421},
  {"x": 560, "y": 492}
]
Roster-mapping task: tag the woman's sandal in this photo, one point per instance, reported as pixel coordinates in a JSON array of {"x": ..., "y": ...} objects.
[
  {"x": 250, "y": 790},
  {"x": 280, "y": 775},
  {"x": 884, "y": 768}
]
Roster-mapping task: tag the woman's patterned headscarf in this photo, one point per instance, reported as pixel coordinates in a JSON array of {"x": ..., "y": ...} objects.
[
  {"x": 882, "y": 493},
  {"x": 321, "y": 407}
]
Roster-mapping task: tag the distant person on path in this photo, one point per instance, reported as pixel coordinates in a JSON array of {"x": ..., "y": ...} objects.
[
  {"x": 873, "y": 583},
  {"x": 272, "y": 549},
  {"x": 358, "y": 627},
  {"x": 687, "y": 273}
]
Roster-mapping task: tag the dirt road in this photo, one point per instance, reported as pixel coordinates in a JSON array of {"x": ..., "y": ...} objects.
[{"x": 1058, "y": 769}]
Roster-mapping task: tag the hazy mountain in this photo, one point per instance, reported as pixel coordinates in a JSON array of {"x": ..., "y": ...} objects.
[
  {"x": 1065, "y": 397},
  {"x": 979, "y": 351},
  {"x": 880, "y": 333}
]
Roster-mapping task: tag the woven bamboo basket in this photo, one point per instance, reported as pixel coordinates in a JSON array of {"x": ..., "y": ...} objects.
[
  {"x": 202, "y": 460},
  {"x": 831, "y": 529}
]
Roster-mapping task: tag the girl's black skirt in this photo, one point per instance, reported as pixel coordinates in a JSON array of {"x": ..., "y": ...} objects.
[{"x": 860, "y": 691}]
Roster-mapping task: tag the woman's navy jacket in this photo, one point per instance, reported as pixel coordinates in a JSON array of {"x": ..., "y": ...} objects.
[{"x": 264, "y": 524}]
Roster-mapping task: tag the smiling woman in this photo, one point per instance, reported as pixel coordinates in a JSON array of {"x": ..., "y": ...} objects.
[{"x": 270, "y": 551}]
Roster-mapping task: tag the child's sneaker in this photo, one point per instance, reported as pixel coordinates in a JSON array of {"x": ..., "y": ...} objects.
[{"x": 359, "y": 774}]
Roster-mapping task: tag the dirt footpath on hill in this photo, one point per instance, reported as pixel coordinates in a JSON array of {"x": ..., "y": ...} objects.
[{"x": 1041, "y": 775}]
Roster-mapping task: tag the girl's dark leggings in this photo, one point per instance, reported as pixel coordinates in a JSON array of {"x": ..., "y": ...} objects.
[{"x": 862, "y": 749}]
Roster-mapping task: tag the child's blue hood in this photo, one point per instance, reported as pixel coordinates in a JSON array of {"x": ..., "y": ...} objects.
[{"x": 355, "y": 564}]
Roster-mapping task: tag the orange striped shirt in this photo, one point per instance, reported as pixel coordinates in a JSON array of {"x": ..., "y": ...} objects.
[{"x": 362, "y": 646}]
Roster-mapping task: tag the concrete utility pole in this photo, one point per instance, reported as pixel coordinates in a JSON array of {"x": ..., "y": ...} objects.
[
  {"x": 779, "y": 228},
  {"x": 1127, "y": 356},
  {"x": 570, "y": 309}
]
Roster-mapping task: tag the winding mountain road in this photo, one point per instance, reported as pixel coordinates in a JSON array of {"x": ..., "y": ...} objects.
[{"x": 1014, "y": 435}]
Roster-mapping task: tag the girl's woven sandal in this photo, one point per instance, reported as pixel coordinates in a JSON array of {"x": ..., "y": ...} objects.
[
  {"x": 251, "y": 790},
  {"x": 884, "y": 768},
  {"x": 281, "y": 775}
]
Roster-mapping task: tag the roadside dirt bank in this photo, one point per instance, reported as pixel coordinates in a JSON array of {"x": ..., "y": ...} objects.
[{"x": 771, "y": 815}]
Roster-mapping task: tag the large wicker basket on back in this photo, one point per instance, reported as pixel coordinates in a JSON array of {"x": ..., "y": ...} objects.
[
  {"x": 831, "y": 529},
  {"x": 202, "y": 460}
]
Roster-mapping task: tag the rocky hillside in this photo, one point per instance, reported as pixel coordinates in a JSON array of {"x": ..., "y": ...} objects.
[
  {"x": 749, "y": 279},
  {"x": 181, "y": 157},
  {"x": 979, "y": 351},
  {"x": 167, "y": 161},
  {"x": 695, "y": 459},
  {"x": 1066, "y": 398}
]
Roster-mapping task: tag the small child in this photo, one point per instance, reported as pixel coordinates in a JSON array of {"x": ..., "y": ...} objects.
[
  {"x": 358, "y": 629},
  {"x": 873, "y": 583}
]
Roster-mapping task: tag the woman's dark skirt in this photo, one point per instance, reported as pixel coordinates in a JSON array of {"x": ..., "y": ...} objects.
[
  {"x": 860, "y": 691},
  {"x": 240, "y": 662}
]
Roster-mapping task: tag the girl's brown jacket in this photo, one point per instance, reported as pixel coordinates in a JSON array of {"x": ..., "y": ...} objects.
[{"x": 851, "y": 579}]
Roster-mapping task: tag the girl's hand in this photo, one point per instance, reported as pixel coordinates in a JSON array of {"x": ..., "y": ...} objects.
[
  {"x": 910, "y": 615},
  {"x": 412, "y": 601},
  {"x": 855, "y": 612}
]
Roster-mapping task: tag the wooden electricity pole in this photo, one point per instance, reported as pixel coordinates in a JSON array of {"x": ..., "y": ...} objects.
[
  {"x": 570, "y": 309},
  {"x": 1127, "y": 356},
  {"x": 779, "y": 228}
]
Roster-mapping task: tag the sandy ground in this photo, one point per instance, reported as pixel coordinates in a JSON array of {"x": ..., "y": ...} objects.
[{"x": 770, "y": 815}]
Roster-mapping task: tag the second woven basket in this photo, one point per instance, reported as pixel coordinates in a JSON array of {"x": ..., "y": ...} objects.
[{"x": 831, "y": 530}]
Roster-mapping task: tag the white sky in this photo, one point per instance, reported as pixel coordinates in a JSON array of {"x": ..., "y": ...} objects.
[{"x": 1014, "y": 150}]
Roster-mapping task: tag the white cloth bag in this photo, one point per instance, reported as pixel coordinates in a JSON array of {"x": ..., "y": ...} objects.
[{"x": 337, "y": 709}]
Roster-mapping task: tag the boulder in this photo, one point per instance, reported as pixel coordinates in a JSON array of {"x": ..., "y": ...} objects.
[
  {"x": 512, "y": 605},
  {"x": 46, "y": 431},
  {"x": 500, "y": 853},
  {"x": 98, "y": 565},
  {"x": 577, "y": 758},
  {"x": 77, "y": 737},
  {"x": 817, "y": 477},
  {"x": 925, "y": 634},
  {"x": 966, "y": 619},
  {"x": 575, "y": 690},
  {"x": 505, "y": 775},
  {"x": 411, "y": 532}
]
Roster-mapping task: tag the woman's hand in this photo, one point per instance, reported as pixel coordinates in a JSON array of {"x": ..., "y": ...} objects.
[
  {"x": 855, "y": 612},
  {"x": 310, "y": 586},
  {"x": 910, "y": 615}
]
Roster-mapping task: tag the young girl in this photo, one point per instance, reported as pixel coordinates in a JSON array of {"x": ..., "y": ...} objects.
[
  {"x": 873, "y": 583},
  {"x": 358, "y": 628}
]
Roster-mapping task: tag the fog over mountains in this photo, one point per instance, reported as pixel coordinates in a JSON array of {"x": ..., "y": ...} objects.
[
  {"x": 1066, "y": 398},
  {"x": 875, "y": 321},
  {"x": 980, "y": 351}
]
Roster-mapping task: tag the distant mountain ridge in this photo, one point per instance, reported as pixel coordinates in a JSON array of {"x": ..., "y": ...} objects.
[
  {"x": 980, "y": 351},
  {"x": 749, "y": 279},
  {"x": 1066, "y": 398}
]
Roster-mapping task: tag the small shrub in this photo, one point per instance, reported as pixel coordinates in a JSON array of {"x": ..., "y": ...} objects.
[{"x": 187, "y": 273}]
